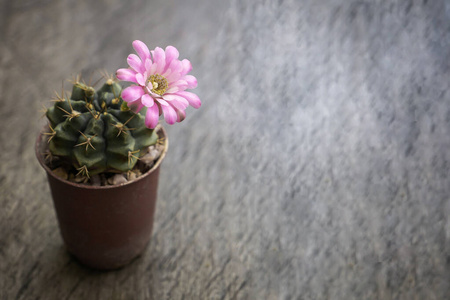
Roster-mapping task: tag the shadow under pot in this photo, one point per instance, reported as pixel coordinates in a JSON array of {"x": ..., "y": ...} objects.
[{"x": 105, "y": 227}]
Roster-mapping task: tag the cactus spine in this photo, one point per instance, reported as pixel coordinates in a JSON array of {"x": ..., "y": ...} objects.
[{"x": 96, "y": 132}]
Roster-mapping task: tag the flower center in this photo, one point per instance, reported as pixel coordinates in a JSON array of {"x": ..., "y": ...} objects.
[{"x": 158, "y": 83}]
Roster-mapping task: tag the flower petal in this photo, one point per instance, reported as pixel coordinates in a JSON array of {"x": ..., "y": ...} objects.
[
  {"x": 187, "y": 66},
  {"x": 181, "y": 84},
  {"x": 141, "y": 50},
  {"x": 135, "y": 106},
  {"x": 169, "y": 114},
  {"x": 135, "y": 63},
  {"x": 140, "y": 79},
  {"x": 175, "y": 66},
  {"x": 126, "y": 75},
  {"x": 147, "y": 100},
  {"x": 173, "y": 89},
  {"x": 152, "y": 117},
  {"x": 132, "y": 93},
  {"x": 159, "y": 57},
  {"x": 191, "y": 81},
  {"x": 178, "y": 104},
  {"x": 192, "y": 98},
  {"x": 171, "y": 54},
  {"x": 162, "y": 102},
  {"x": 181, "y": 114},
  {"x": 148, "y": 65},
  {"x": 173, "y": 77},
  {"x": 174, "y": 97},
  {"x": 152, "y": 69}
]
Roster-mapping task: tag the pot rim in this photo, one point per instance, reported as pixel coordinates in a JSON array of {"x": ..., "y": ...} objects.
[{"x": 104, "y": 187}]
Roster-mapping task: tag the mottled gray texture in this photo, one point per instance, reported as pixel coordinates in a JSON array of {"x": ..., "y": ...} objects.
[{"x": 317, "y": 167}]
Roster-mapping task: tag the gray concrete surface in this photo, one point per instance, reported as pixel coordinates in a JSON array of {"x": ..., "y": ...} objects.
[{"x": 317, "y": 167}]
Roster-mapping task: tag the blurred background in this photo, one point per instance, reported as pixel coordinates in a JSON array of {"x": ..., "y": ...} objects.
[{"x": 316, "y": 168}]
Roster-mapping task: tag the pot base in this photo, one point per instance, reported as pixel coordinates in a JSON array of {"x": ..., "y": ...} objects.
[{"x": 103, "y": 264}]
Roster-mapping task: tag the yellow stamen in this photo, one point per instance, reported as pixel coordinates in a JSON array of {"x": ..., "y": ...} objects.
[{"x": 159, "y": 84}]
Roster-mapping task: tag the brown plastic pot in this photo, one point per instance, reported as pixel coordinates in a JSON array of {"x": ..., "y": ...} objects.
[{"x": 105, "y": 227}]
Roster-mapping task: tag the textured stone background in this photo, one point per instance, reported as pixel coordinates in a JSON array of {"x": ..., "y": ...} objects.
[{"x": 317, "y": 167}]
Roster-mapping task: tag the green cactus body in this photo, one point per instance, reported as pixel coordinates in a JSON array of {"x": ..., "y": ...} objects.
[{"x": 95, "y": 132}]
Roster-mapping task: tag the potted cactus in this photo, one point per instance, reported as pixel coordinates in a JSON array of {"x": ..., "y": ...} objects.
[{"x": 102, "y": 151}]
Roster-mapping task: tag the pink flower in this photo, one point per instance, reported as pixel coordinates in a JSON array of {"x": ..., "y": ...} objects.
[{"x": 161, "y": 80}]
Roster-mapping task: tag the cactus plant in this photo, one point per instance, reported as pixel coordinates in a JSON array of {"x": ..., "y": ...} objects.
[
  {"x": 108, "y": 130},
  {"x": 95, "y": 131}
]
